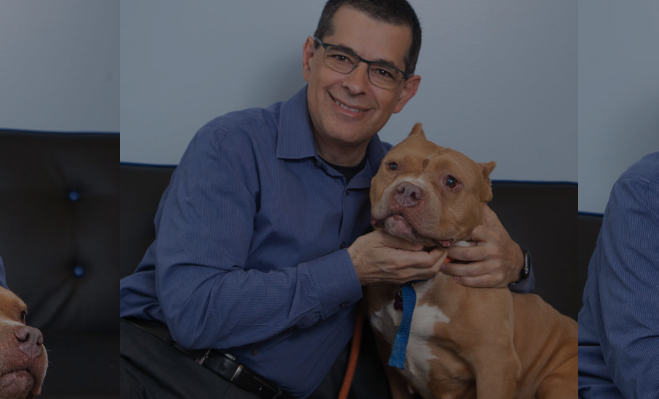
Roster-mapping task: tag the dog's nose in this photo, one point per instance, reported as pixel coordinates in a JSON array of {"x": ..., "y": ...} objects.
[
  {"x": 30, "y": 341},
  {"x": 407, "y": 194}
]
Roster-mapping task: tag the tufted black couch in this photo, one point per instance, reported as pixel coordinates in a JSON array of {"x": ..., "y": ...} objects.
[
  {"x": 540, "y": 216},
  {"x": 59, "y": 238}
]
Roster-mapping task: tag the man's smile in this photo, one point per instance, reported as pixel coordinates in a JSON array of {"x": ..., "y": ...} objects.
[{"x": 351, "y": 109}]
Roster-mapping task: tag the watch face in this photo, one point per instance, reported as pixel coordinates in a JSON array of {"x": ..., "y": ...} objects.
[{"x": 526, "y": 264}]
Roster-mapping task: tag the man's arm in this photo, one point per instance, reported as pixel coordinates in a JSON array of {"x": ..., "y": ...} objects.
[
  {"x": 628, "y": 282},
  {"x": 208, "y": 294}
]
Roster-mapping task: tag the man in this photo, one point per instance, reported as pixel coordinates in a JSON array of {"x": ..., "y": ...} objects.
[
  {"x": 261, "y": 249},
  {"x": 619, "y": 322}
]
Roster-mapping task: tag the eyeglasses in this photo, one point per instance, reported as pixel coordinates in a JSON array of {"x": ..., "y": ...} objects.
[{"x": 345, "y": 61}]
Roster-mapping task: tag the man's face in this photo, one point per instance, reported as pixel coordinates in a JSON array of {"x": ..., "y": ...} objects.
[{"x": 370, "y": 106}]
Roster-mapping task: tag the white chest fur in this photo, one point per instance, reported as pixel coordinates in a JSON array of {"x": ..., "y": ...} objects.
[{"x": 418, "y": 355}]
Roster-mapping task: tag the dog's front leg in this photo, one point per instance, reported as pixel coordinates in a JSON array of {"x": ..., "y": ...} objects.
[
  {"x": 398, "y": 385},
  {"x": 497, "y": 372},
  {"x": 491, "y": 351}
]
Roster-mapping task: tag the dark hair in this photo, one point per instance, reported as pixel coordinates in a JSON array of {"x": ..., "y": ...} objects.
[{"x": 396, "y": 12}]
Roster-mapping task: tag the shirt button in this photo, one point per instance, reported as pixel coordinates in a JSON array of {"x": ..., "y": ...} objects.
[
  {"x": 343, "y": 245},
  {"x": 318, "y": 164},
  {"x": 255, "y": 352},
  {"x": 347, "y": 192},
  {"x": 343, "y": 305}
]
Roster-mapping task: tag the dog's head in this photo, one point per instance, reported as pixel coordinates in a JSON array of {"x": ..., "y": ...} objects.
[
  {"x": 23, "y": 358},
  {"x": 429, "y": 194}
]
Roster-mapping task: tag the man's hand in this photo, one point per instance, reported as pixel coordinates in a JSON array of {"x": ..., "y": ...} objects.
[
  {"x": 496, "y": 260},
  {"x": 382, "y": 258}
]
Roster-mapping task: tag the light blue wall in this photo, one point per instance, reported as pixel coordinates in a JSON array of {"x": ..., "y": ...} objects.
[
  {"x": 499, "y": 79},
  {"x": 618, "y": 92},
  {"x": 59, "y": 65}
]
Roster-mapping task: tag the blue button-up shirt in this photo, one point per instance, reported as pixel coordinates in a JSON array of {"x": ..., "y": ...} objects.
[
  {"x": 249, "y": 256},
  {"x": 619, "y": 321}
]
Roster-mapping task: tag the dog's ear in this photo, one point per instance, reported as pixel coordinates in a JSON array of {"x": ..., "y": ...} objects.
[
  {"x": 486, "y": 169},
  {"x": 417, "y": 130}
]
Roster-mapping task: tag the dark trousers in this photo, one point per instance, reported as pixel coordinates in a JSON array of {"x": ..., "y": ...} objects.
[{"x": 153, "y": 369}]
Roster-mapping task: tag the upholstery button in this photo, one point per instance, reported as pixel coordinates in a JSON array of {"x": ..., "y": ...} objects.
[
  {"x": 343, "y": 305},
  {"x": 255, "y": 352},
  {"x": 74, "y": 195},
  {"x": 343, "y": 245},
  {"x": 78, "y": 271}
]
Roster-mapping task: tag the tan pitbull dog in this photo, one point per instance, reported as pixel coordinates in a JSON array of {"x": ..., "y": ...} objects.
[
  {"x": 464, "y": 342},
  {"x": 23, "y": 358}
]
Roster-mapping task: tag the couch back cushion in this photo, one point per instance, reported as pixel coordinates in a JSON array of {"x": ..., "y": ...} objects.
[
  {"x": 141, "y": 189},
  {"x": 59, "y": 227},
  {"x": 543, "y": 218}
]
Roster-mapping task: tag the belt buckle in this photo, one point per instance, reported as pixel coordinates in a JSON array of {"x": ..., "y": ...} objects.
[
  {"x": 202, "y": 358},
  {"x": 237, "y": 373},
  {"x": 278, "y": 394}
]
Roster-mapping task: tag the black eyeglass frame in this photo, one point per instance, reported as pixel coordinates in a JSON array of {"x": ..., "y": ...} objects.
[{"x": 367, "y": 62}]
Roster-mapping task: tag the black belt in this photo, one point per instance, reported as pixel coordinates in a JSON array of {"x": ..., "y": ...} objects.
[{"x": 222, "y": 364}]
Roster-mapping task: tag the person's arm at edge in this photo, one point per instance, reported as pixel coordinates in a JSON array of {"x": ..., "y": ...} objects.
[
  {"x": 628, "y": 288},
  {"x": 3, "y": 281}
]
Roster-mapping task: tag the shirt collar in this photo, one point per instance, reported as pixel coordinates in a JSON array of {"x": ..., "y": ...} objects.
[
  {"x": 374, "y": 153},
  {"x": 295, "y": 139},
  {"x": 294, "y": 136}
]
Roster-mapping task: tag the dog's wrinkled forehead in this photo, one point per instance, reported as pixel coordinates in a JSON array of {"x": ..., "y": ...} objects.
[
  {"x": 10, "y": 305},
  {"x": 431, "y": 157}
]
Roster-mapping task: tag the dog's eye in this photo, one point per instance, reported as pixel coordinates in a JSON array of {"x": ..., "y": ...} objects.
[
  {"x": 23, "y": 314},
  {"x": 451, "y": 182},
  {"x": 393, "y": 165}
]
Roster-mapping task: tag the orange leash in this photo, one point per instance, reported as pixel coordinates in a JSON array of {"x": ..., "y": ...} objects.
[{"x": 354, "y": 353}]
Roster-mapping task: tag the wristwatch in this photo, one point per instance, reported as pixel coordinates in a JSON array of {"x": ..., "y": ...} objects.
[{"x": 526, "y": 269}]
